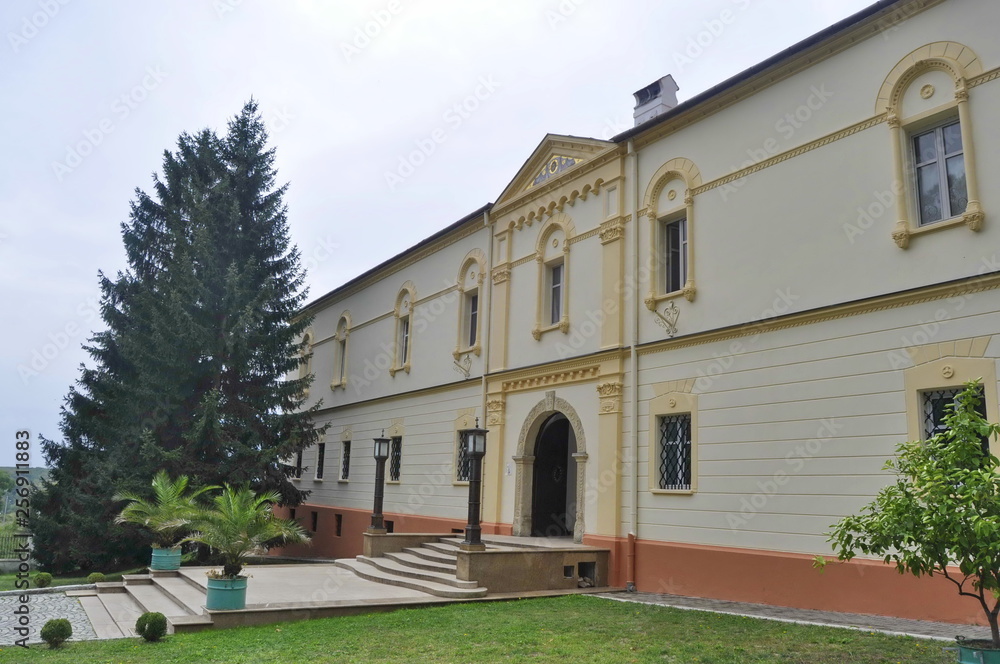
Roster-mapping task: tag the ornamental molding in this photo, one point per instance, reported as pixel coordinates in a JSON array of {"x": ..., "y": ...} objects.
[
  {"x": 556, "y": 378},
  {"x": 500, "y": 275},
  {"x": 495, "y": 412},
  {"x": 611, "y": 231},
  {"x": 611, "y": 397}
]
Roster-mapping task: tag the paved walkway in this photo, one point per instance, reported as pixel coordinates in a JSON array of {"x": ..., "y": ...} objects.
[
  {"x": 918, "y": 628},
  {"x": 43, "y": 607}
]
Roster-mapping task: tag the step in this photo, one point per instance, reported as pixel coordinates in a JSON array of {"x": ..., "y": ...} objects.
[
  {"x": 370, "y": 573},
  {"x": 432, "y": 555},
  {"x": 110, "y": 587},
  {"x": 183, "y": 624},
  {"x": 151, "y": 598},
  {"x": 440, "y": 547},
  {"x": 416, "y": 561},
  {"x": 104, "y": 624},
  {"x": 123, "y": 609},
  {"x": 399, "y": 569},
  {"x": 182, "y": 592},
  {"x": 137, "y": 579}
]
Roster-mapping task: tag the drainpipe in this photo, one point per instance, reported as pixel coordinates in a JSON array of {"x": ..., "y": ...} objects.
[
  {"x": 487, "y": 307},
  {"x": 634, "y": 373}
]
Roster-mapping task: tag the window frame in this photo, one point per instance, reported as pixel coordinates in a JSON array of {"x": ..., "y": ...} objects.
[
  {"x": 340, "y": 352},
  {"x": 403, "y": 332},
  {"x": 297, "y": 472},
  {"x": 683, "y": 252},
  {"x": 552, "y": 252},
  {"x": 671, "y": 403},
  {"x": 940, "y": 162},
  {"x": 395, "y": 461},
  {"x": 345, "y": 461},
  {"x": 320, "y": 462},
  {"x": 555, "y": 290}
]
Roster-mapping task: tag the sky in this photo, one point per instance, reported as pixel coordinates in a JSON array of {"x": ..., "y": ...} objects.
[{"x": 391, "y": 118}]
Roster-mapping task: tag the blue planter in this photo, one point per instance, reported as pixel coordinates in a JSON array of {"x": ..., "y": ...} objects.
[
  {"x": 166, "y": 559},
  {"x": 968, "y": 655},
  {"x": 226, "y": 594}
]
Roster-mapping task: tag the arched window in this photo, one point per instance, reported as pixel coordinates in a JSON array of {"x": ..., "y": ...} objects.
[
  {"x": 340, "y": 352},
  {"x": 553, "y": 256},
  {"x": 670, "y": 210},
  {"x": 305, "y": 365},
  {"x": 470, "y": 282}
]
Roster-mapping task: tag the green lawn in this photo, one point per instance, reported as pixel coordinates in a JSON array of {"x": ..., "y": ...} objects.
[
  {"x": 7, "y": 581},
  {"x": 573, "y": 629}
]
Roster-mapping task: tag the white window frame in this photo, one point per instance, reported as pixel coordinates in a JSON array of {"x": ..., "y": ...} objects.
[
  {"x": 941, "y": 170},
  {"x": 403, "y": 339},
  {"x": 669, "y": 288}
]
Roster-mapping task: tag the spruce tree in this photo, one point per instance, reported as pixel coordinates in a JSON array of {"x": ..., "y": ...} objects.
[{"x": 203, "y": 330}]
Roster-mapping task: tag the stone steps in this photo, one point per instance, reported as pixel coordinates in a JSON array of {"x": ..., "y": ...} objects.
[
  {"x": 181, "y": 592},
  {"x": 372, "y": 573},
  {"x": 152, "y": 598},
  {"x": 104, "y": 624},
  {"x": 122, "y": 609},
  {"x": 432, "y": 555},
  {"x": 390, "y": 566},
  {"x": 416, "y": 561}
]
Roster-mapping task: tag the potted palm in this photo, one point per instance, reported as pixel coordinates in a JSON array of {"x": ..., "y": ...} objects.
[
  {"x": 168, "y": 516},
  {"x": 238, "y": 522},
  {"x": 941, "y": 516}
]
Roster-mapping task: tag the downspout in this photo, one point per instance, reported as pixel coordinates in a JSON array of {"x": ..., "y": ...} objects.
[
  {"x": 634, "y": 374},
  {"x": 488, "y": 308}
]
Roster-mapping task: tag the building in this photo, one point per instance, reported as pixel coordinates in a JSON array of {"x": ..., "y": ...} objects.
[{"x": 696, "y": 343}]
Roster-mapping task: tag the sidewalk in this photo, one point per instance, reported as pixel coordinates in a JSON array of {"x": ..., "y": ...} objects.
[{"x": 917, "y": 628}]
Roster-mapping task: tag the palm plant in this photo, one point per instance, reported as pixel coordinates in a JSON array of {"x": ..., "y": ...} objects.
[
  {"x": 241, "y": 521},
  {"x": 170, "y": 511}
]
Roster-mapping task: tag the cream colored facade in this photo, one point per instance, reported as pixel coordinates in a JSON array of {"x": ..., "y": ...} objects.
[{"x": 814, "y": 311}]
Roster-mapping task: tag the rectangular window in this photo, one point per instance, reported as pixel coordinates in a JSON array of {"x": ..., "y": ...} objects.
[
  {"x": 339, "y": 523},
  {"x": 320, "y": 459},
  {"x": 342, "y": 367},
  {"x": 675, "y": 255},
  {"x": 674, "y": 452},
  {"x": 404, "y": 340},
  {"x": 291, "y": 513},
  {"x": 939, "y": 164},
  {"x": 463, "y": 466},
  {"x": 555, "y": 293},
  {"x": 297, "y": 474},
  {"x": 345, "y": 460},
  {"x": 938, "y": 403},
  {"x": 314, "y": 521},
  {"x": 395, "y": 458},
  {"x": 472, "y": 317}
]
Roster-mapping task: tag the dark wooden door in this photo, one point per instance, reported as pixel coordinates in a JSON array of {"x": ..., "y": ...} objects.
[{"x": 548, "y": 505}]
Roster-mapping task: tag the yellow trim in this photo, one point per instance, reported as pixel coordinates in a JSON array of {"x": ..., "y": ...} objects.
[
  {"x": 340, "y": 351},
  {"x": 558, "y": 222},
  {"x": 476, "y": 259},
  {"x": 403, "y": 363},
  {"x": 671, "y": 403}
]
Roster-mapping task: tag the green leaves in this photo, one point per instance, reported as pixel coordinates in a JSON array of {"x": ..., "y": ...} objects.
[{"x": 170, "y": 511}]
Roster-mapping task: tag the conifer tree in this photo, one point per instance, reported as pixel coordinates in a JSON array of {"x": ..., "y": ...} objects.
[{"x": 191, "y": 374}]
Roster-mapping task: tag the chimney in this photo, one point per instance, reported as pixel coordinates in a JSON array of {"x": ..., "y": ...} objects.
[{"x": 655, "y": 99}]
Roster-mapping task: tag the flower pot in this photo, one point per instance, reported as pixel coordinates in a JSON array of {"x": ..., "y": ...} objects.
[
  {"x": 226, "y": 594},
  {"x": 166, "y": 559},
  {"x": 977, "y": 652}
]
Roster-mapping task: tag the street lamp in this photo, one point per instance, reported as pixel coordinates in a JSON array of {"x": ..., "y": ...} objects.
[
  {"x": 475, "y": 448},
  {"x": 381, "y": 454}
]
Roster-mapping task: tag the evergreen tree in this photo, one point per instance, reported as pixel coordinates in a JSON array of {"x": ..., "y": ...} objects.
[{"x": 202, "y": 330}]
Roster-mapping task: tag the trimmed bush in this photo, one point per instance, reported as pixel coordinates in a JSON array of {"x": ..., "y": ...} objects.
[
  {"x": 56, "y": 631},
  {"x": 151, "y": 626},
  {"x": 95, "y": 577},
  {"x": 43, "y": 579}
]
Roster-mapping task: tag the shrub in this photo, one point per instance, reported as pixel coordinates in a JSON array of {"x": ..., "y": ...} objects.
[
  {"x": 95, "y": 577},
  {"x": 43, "y": 579},
  {"x": 55, "y": 631},
  {"x": 151, "y": 626}
]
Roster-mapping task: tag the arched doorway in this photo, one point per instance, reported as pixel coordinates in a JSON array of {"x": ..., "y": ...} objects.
[{"x": 553, "y": 502}]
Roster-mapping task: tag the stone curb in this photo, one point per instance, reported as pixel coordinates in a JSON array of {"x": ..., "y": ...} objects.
[{"x": 43, "y": 591}]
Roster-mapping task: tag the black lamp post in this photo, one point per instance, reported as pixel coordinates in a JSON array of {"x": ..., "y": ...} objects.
[
  {"x": 475, "y": 449},
  {"x": 381, "y": 454}
]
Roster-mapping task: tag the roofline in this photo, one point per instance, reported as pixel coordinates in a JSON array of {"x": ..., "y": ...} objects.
[
  {"x": 364, "y": 275},
  {"x": 832, "y": 31}
]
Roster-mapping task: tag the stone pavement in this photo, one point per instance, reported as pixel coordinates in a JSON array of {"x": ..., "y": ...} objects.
[
  {"x": 918, "y": 628},
  {"x": 43, "y": 607}
]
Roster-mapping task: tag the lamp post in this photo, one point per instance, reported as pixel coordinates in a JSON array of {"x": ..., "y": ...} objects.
[
  {"x": 475, "y": 448},
  {"x": 381, "y": 454}
]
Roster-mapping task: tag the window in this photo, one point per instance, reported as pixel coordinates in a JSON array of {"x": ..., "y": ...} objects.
[
  {"x": 674, "y": 452},
  {"x": 939, "y": 168},
  {"x": 673, "y": 441},
  {"x": 395, "y": 458},
  {"x": 314, "y": 521},
  {"x": 345, "y": 460},
  {"x": 675, "y": 255},
  {"x": 555, "y": 283},
  {"x": 471, "y": 318},
  {"x": 403, "y": 346},
  {"x": 297, "y": 473},
  {"x": 938, "y": 403},
  {"x": 291, "y": 513},
  {"x": 338, "y": 520},
  {"x": 320, "y": 459},
  {"x": 463, "y": 464},
  {"x": 340, "y": 352},
  {"x": 404, "y": 339},
  {"x": 305, "y": 363}
]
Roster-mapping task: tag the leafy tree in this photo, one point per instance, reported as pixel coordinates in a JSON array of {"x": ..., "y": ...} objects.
[
  {"x": 241, "y": 521},
  {"x": 942, "y": 513},
  {"x": 6, "y": 482},
  {"x": 203, "y": 329}
]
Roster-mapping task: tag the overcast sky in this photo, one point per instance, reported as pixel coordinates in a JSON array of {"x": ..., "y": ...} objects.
[{"x": 93, "y": 92}]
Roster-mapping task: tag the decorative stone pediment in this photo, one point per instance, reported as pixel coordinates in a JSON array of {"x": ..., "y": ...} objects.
[{"x": 553, "y": 157}]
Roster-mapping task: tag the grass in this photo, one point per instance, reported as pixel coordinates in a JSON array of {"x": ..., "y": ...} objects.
[
  {"x": 7, "y": 581},
  {"x": 574, "y": 628}
]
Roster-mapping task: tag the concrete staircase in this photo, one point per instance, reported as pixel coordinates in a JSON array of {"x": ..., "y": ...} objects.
[
  {"x": 113, "y": 607},
  {"x": 430, "y": 568}
]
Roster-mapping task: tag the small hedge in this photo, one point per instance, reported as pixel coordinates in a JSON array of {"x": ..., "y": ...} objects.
[
  {"x": 43, "y": 579},
  {"x": 95, "y": 577},
  {"x": 56, "y": 631},
  {"x": 151, "y": 626}
]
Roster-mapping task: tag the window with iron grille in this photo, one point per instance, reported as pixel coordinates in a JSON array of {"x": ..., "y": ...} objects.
[
  {"x": 674, "y": 452},
  {"x": 938, "y": 403},
  {"x": 463, "y": 464},
  {"x": 345, "y": 460},
  {"x": 320, "y": 459},
  {"x": 297, "y": 474},
  {"x": 395, "y": 458}
]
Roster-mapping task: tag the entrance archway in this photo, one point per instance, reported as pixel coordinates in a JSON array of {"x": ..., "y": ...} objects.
[
  {"x": 551, "y": 436},
  {"x": 553, "y": 500}
]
